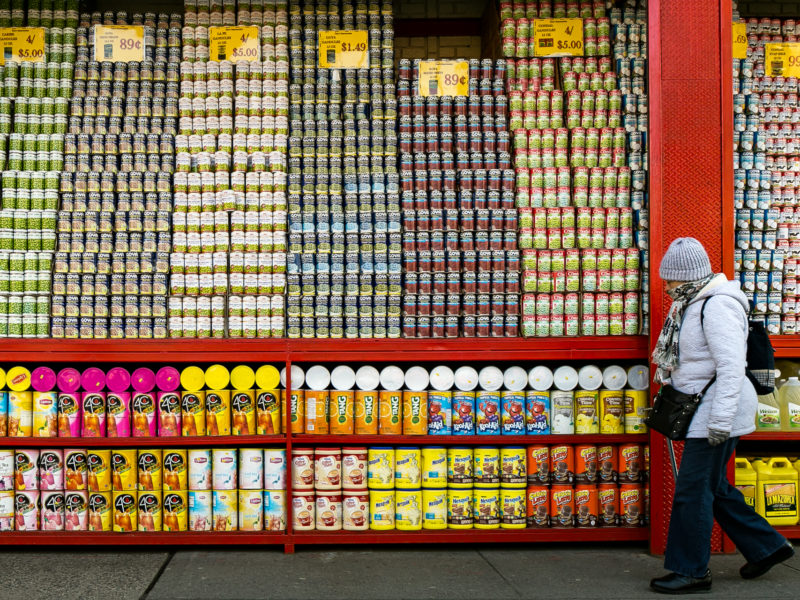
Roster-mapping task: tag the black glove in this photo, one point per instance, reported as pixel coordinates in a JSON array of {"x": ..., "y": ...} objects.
[{"x": 717, "y": 437}]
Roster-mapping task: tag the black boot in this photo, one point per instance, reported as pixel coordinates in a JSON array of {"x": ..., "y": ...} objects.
[
  {"x": 753, "y": 570},
  {"x": 680, "y": 584}
]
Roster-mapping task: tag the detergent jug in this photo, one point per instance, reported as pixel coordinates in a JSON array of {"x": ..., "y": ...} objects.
[
  {"x": 776, "y": 491},
  {"x": 746, "y": 480}
]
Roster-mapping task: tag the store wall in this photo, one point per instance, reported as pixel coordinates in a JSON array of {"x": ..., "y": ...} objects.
[
  {"x": 775, "y": 8},
  {"x": 438, "y": 47},
  {"x": 443, "y": 9}
]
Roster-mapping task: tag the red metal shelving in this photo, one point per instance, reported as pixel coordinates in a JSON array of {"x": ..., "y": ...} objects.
[
  {"x": 465, "y": 440},
  {"x": 159, "y": 538},
  {"x": 790, "y": 531},
  {"x": 786, "y": 346},
  {"x": 778, "y": 436},
  {"x": 142, "y": 442},
  {"x": 614, "y": 534}
]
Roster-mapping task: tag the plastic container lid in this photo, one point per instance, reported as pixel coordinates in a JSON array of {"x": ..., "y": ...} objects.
[
  {"x": 417, "y": 379},
  {"x": 614, "y": 377},
  {"x": 2, "y": 378},
  {"x": 490, "y": 379},
  {"x": 267, "y": 377},
  {"x": 192, "y": 379},
  {"x": 590, "y": 377},
  {"x": 515, "y": 379},
  {"x": 392, "y": 378},
  {"x": 565, "y": 378},
  {"x": 343, "y": 378},
  {"x": 118, "y": 379},
  {"x": 93, "y": 379},
  {"x": 217, "y": 377},
  {"x": 168, "y": 379},
  {"x": 638, "y": 377},
  {"x": 18, "y": 379},
  {"x": 298, "y": 377},
  {"x": 466, "y": 378},
  {"x": 442, "y": 378},
  {"x": 43, "y": 379},
  {"x": 368, "y": 378},
  {"x": 540, "y": 378},
  {"x": 68, "y": 380},
  {"x": 318, "y": 378},
  {"x": 143, "y": 380},
  {"x": 243, "y": 378}
]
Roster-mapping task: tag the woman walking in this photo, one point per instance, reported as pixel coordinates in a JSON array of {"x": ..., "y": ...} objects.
[{"x": 689, "y": 354}]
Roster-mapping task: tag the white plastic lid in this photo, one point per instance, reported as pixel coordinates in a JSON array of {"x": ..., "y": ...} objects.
[
  {"x": 417, "y": 379},
  {"x": 490, "y": 379},
  {"x": 442, "y": 378},
  {"x": 318, "y": 378},
  {"x": 614, "y": 377},
  {"x": 298, "y": 377},
  {"x": 466, "y": 378},
  {"x": 515, "y": 379},
  {"x": 638, "y": 377},
  {"x": 343, "y": 378},
  {"x": 590, "y": 377},
  {"x": 392, "y": 378},
  {"x": 540, "y": 378},
  {"x": 368, "y": 378},
  {"x": 565, "y": 378}
]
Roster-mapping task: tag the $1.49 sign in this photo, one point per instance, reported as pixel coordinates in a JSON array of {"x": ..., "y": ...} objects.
[
  {"x": 558, "y": 37},
  {"x": 443, "y": 78},
  {"x": 782, "y": 60},
  {"x": 740, "y": 40},
  {"x": 343, "y": 50},
  {"x": 234, "y": 43},
  {"x": 22, "y": 44},
  {"x": 118, "y": 43}
]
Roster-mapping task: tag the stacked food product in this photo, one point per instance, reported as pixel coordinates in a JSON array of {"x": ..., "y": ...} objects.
[
  {"x": 465, "y": 402},
  {"x": 33, "y": 119},
  {"x": 344, "y": 273},
  {"x": 110, "y": 271},
  {"x": 145, "y": 490},
  {"x": 766, "y": 149},
  {"x": 228, "y": 259},
  {"x": 461, "y": 263},
  {"x": 577, "y": 162}
]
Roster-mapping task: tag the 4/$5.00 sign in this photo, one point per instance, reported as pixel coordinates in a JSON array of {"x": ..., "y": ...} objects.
[{"x": 22, "y": 44}]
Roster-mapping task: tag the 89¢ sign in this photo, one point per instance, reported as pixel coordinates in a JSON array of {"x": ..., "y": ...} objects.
[
  {"x": 118, "y": 43},
  {"x": 443, "y": 78}
]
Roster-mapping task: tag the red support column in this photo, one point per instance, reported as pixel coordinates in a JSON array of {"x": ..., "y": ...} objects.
[{"x": 691, "y": 170}]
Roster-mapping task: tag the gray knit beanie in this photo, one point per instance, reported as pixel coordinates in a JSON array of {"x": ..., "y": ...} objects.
[{"x": 685, "y": 260}]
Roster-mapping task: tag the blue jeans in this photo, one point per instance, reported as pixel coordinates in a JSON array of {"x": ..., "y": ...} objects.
[{"x": 703, "y": 494}]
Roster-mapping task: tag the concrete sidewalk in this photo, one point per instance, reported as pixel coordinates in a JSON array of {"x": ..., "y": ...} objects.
[{"x": 382, "y": 573}]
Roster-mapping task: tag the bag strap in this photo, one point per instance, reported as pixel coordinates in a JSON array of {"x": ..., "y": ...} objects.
[{"x": 702, "y": 318}]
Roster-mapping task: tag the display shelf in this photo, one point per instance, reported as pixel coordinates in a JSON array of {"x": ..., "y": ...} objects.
[
  {"x": 778, "y": 436},
  {"x": 445, "y": 536},
  {"x": 786, "y": 346},
  {"x": 464, "y": 440},
  {"x": 141, "y": 442},
  {"x": 159, "y": 538},
  {"x": 791, "y": 532}
]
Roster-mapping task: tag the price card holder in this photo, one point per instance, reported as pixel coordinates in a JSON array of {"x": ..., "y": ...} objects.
[
  {"x": 782, "y": 60},
  {"x": 118, "y": 43},
  {"x": 443, "y": 78},
  {"x": 558, "y": 37},
  {"x": 740, "y": 40},
  {"x": 343, "y": 50},
  {"x": 234, "y": 43},
  {"x": 22, "y": 44}
]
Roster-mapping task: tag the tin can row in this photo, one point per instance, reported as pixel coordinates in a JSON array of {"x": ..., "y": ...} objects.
[
  {"x": 208, "y": 284},
  {"x": 223, "y": 262},
  {"x": 220, "y": 306},
  {"x": 232, "y": 327},
  {"x": 583, "y": 325},
  {"x": 338, "y": 305},
  {"x": 100, "y": 305},
  {"x": 103, "y": 328}
]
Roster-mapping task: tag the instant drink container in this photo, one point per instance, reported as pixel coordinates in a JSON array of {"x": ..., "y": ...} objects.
[
  {"x": 193, "y": 401},
  {"x": 70, "y": 409},
  {"x": 268, "y": 401},
  {"x": 118, "y": 402},
  {"x": 45, "y": 402},
  {"x": 20, "y": 403},
  {"x": 169, "y": 402},
  {"x": 143, "y": 403},
  {"x": 93, "y": 403},
  {"x": 3, "y": 405}
]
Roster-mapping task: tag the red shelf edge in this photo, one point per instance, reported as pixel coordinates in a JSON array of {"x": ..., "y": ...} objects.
[
  {"x": 165, "y": 538},
  {"x": 778, "y": 436},
  {"x": 790, "y": 531},
  {"x": 786, "y": 346},
  {"x": 140, "y": 442}
]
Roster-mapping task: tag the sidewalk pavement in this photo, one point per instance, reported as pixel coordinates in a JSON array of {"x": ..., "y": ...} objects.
[{"x": 497, "y": 572}]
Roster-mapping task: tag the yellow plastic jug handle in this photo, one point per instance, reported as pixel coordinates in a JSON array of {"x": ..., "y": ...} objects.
[
  {"x": 777, "y": 461},
  {"x": 742, "y": 462}
]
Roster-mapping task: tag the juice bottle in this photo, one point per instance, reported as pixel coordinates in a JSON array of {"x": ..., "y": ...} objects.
[{"x": 789, "y": 401}]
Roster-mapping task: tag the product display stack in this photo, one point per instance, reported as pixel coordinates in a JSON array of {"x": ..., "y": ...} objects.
[
  {"x": 228, "y": 261},
  {"x": 344, "y": 272}
]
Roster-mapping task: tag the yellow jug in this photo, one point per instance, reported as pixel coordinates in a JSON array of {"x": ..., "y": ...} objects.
[
  {"x": 776, "y": 491},
  {"x": 746, "y": 481}
]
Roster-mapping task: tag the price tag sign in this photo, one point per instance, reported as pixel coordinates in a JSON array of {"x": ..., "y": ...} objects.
[
  {"x": 444, "y": 78},
  {"x": 558, "y": 37},
  {"x": 22, "y": 44},
  {"x": 782, "y": 60},
  {"x": 118, "y": 43},
  {"x": 234, "y": 43},
  {"x": 343, "y": 50},
  {"x": 740, "y": 40}
]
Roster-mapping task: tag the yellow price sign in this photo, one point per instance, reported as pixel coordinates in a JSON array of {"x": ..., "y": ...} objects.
[
  {"x": 343, "y": 50},
  {"x": 118, "y": 43},
  {"x": 740, "y": 40},
  {"x": 234, "y": 43},
  {"x": 22, "y": 44},
  {"x": 782, "y": 60},
  {"x": 443, "y": 78},
  {"x": 558, "y": 37}
]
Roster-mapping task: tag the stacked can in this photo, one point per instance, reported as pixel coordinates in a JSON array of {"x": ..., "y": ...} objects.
[
  {"x": 112, "y": 259},
  {"x": 344, "y": 272},
  {"x": 577, "y": 162},
  {"x": 460, "y": 257},
  {"x": 228, "y": 261},
  {"x": 33, "y": 118},
  {"x": 766, "y": 150}
]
